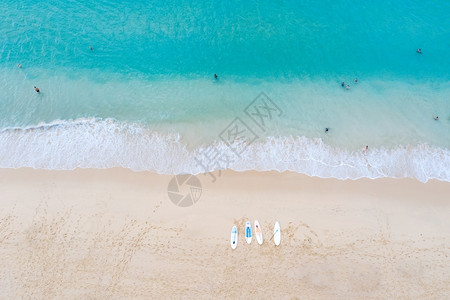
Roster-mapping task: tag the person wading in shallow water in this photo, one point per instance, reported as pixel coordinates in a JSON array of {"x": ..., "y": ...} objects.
[
  {"x": 365, "y": 149},
  {"x": 37, "y": 89}
]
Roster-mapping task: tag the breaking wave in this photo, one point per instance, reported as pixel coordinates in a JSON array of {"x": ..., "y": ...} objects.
[{"x": 107, "y": 143}]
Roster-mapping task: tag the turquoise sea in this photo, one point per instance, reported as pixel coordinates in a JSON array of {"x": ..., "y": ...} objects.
[{"x": 145, "y": 97}]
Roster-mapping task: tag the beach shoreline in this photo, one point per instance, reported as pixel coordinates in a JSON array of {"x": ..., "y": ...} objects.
[
  {"x": 115, "y": 232},
  {"x": 68, "y": 145}
]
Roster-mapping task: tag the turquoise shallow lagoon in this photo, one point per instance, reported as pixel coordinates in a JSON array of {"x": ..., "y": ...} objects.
[{"x": 145, "y": 98}]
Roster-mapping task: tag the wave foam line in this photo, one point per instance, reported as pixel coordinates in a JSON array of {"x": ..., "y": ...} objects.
[{"x": 98, "y": 143}]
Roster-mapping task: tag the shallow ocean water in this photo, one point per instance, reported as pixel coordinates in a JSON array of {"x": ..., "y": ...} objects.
[{"x": 148, "y": 85}]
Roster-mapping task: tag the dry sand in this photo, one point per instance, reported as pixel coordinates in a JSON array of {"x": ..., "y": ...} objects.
[{"x": 114, "y": 233}]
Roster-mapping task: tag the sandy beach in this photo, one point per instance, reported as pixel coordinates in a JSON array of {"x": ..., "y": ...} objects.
[{"x": 115, "y": 234}]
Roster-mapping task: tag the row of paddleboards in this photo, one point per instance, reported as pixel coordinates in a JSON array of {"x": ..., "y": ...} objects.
[{"x": 258, "y": 234}]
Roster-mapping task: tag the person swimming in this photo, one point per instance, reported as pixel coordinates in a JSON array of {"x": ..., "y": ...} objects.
[
  {"x": 216, "y": 77},
  {"x": 356, "y": 80},
  {"x": 419, "y": 51},
  {"x": 37, "y": 89},
  {"x": 365, "y": 149},
  {"x": 326, "y": 129},
  {"x": 92, "y": 48},
  {"x": 347, "y": 87},
  {"x": 343, "y": 84},
  {"x": 436, "y": 118},
  {"x": 19, "y": 66}
]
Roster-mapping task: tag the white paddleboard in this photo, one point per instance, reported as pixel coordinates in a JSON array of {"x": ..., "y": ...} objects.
[
  {"x": 234, "y": 237},
  {"x": 277, "y": 234},
  {"x": 248, "y": 232},
  {"x": 258, "y": 232}
]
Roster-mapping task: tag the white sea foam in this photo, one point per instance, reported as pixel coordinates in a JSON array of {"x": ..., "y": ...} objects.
[{"x": 97, "y": 143}]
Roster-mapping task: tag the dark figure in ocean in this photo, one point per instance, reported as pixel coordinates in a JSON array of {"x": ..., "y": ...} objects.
[
  {"x": 365, "y": 149},
  {"x": 347, "y": 87},
  {"x": 19, "y": 66},
  {"x": 326, "y": 129},
  {"x": 419, "y": 51},
  {"x": 436, "y": 118},
  {"x": 216, "y": 77},
  {"x": 343, "y": 84},
  {"x": 92, "y": 48},
  {"x": 36, "y": 89},
  {"x": 356, "y": 80}
]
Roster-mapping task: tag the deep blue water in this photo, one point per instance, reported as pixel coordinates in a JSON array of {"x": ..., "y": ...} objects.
[{"x": 239, "y": 38}]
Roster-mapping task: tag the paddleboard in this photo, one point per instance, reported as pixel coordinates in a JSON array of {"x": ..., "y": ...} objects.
[
  {"x": 258, "y": 232},
  {"x": 234, "y": 237},
  {"x": 248, "y": 232},
  {"x": 277, "y": 234}
]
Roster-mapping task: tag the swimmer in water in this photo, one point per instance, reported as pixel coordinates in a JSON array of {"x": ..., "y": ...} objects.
[
  {"x": 92, "y": 48},
  {"x": 216, "y": 77},
  {"x": 343, "y": 84},
  {"x": 365, "y": 149},
  {"x": 19, "y": 66},
  {"x": 436, "y": 118},
  {"x": 419, "y": 51},
  {"x": 356, "y": 80},
  {"x": 326, "y": 130},
  {"x": 347, "y": 87},
  {"x": 36, "y": 89}
]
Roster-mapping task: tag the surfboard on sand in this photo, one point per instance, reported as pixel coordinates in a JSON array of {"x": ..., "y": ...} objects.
[
  {"x": 277, "y": 234},
  {"x": 258, "y": 232},
  {"x": 248, "y": 232},
  {"x": 234, "y": 237}
]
